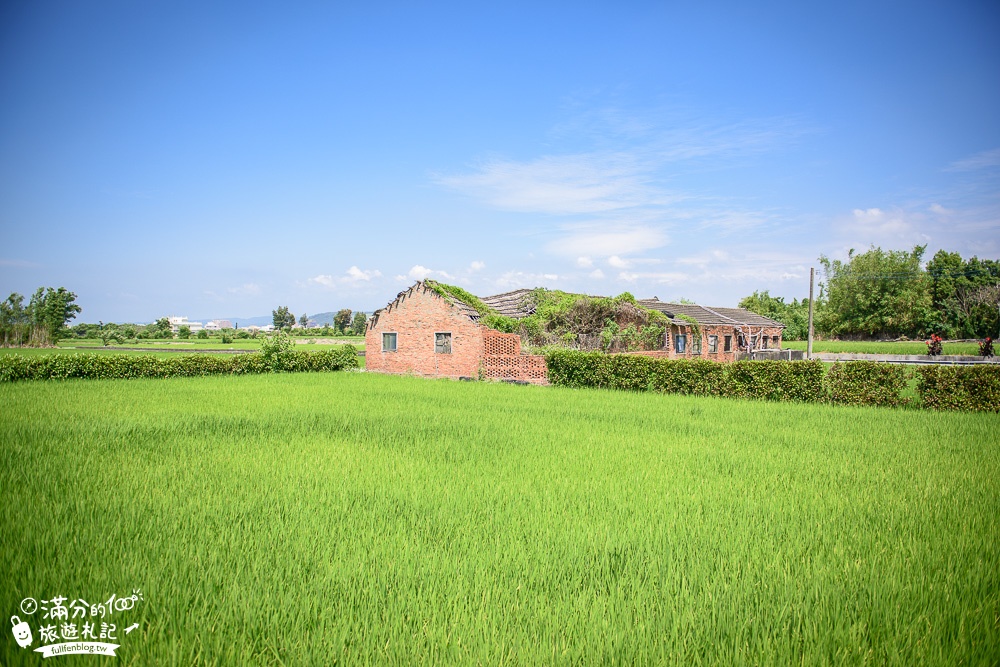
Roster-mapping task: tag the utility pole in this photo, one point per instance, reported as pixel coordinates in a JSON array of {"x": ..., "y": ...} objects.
[{"x": 809, "y": 345}]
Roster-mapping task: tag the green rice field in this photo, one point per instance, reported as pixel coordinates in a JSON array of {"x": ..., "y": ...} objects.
[
  {"x": 880, "y": 347},
  {"x": 355, "y": 518}
]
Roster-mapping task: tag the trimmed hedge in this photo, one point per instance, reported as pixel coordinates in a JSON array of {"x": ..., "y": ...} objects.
[
  {"x": 974, "y": 388},
  {"x": 867, "y": 383},
  {"x": 960, "y": 387},
  {"x": 15, "y": 367},
  {"x": 766, "y": 380}
]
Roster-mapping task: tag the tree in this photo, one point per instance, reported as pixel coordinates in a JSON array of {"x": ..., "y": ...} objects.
[
  {"x": 794, "y": 315},
  {"x": 282, "y": 318},
  {"x": 14, "y": 321},
  {"x": 342, "y": 320},
  {"x": 960, "y": 294},
  {"x": 49, "y": 311},
  {"x": 304, "y": 320},
  {"x": 358, "y": 324},
  {"x": 876, "y": 294},
  {"x": 184, "y": 332},
  {"x": 203, "y": 334},
  {"x": 109, "y": 334}
]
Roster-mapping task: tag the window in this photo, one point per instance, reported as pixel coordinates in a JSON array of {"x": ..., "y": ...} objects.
[
  {"x": 442, "y": 343},
  {"x": 763, "y": 342},
  {"x": 388, "y": 342},
  {"x": 774, "y": 339},
  {"x": 696, "y": 345},
  {"x": 753, "y": 342},
  {"x": 728, "y": 344},
  {"x": 713, "y": 344},
  {"x": 679, "y": 341}
]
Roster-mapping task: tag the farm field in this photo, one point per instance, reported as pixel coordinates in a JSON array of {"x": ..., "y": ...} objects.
[
  {"x": 364, "y": 519},
  {"x": 879, "y": 347}
]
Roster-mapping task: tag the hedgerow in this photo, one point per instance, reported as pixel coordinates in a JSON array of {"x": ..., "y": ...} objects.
[
  {"x": 765, "y": 380},
  {"x": 975, "y": 388},
  {"x": 15, "y": 367},
  {"x": 867, "y": 383}
]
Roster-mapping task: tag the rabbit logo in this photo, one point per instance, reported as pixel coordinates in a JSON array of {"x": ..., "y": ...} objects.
[{"x": 22, "y": 633}]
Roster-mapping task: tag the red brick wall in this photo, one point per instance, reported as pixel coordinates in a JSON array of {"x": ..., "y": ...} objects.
[
  {"x": 502, "y": 359},
  {"x": 415, "y": 317},
  {"x": 721, "y": 331}
]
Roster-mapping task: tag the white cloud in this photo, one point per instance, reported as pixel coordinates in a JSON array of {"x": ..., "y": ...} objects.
[
  {"x": 584, "y": 262},
  {"x": 352, "y": 276},
  {"x": 981, "y": 160},
  {"x": 420, "y": 272},
  {"x": 325, "y": 280},
  {"x": 599, "y": 241},
  {"x": 247, "y": 289},
  {"x": 597, "y": 273},
  {"x": 618, "y": 263},
  {"x": 512, "y": 280},
  {"x": 19, "y": 263},
  {"x": 940, "y": 210},
  {"x": 583, "y": 183},
  {"x": 477, "y": 266}
]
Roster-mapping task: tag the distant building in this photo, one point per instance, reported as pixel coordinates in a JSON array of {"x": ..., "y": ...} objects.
[
  {"x": 216, "y": 325},
  {"x": 177, "y": 322}
]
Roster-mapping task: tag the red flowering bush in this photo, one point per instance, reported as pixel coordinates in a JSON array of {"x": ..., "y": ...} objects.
[
  {"x": 986, "y": 347},
  {"x": 934, "y": 345}
]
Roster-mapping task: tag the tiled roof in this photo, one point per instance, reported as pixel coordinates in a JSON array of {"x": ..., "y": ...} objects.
[
  {"x": 515, "y": 304},
  {"x": 706, "y": 315}
]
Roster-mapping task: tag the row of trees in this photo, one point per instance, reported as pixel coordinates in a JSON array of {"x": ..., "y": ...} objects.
[
  {"x": 343, "y": 323},
  {"x": 892, "y": 293},
  {"x": 41, "y": 322}
]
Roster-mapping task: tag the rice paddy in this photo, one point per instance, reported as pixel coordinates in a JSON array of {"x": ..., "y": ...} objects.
[
  {"x": 881, "y": 347},
  {"x": 354, "y": 518}
]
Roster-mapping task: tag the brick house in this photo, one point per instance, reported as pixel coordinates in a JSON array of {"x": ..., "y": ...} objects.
[
  {"x": 723, "y": 333},
  {"x": 424, "y": 333}
]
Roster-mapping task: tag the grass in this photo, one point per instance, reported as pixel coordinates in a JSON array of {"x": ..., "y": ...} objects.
[
  {"x": 879, "y": 347},
  {"x": 366, "y": 519}
]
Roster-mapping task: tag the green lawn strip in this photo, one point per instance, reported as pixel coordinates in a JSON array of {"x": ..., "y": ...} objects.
[
  {"x": 879, "y": 347},
  {"x": 361, "y": 518}
]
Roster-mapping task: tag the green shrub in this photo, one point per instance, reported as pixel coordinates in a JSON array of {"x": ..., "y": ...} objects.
[
  {"x": 15, "y": 367},
  {"x": 975, "y": 388},
  {"x": 680, "y": 376},
  {"x": 277, "y": 351},
  {"x": 867, "y": 383},
  {"x": 764, "y": 380}
]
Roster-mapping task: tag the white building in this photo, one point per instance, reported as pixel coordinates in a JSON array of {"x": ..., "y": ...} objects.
[{"x": 177, "y": 322}]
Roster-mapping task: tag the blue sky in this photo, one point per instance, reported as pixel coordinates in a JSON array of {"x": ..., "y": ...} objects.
[{"x": 222, "y": 159}]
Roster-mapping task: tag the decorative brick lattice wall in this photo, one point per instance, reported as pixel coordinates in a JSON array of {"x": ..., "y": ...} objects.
[
  {"x": 497, "y": 344},
  {"x": 502, "y": 360}
]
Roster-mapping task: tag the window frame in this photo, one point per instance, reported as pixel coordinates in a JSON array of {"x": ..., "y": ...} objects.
[
  {"x": 451, "y": 340},
  {"x": 727, "y": 344},
  {"x": 395, "y": 341},
  {"x": 680, "y": 343},
  {"x": 713, "y": 344}
]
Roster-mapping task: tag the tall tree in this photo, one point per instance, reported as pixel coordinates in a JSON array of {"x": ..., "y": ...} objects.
[
  {"x": 14, "y": 321},
  {"x": 50, "y": 310},
  {"x": 282, "y": 318},
  {"x": 877, "y": 293},
  {"x": 342, "y": 320},
  {"x": 358, "y": 324},
  {"x": 303, "y": 320}
]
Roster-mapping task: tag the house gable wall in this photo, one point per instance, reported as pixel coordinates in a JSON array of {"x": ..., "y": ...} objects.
[{"x": 415, "y": 317}]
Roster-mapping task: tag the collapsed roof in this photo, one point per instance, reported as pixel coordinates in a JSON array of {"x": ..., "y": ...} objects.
[{"x": 520, "y": 303}]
